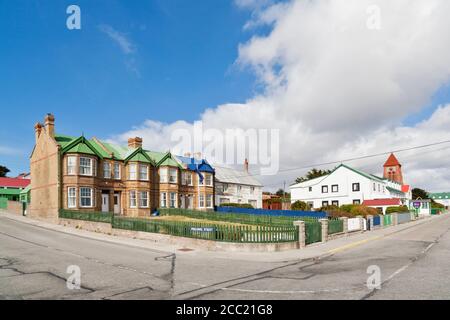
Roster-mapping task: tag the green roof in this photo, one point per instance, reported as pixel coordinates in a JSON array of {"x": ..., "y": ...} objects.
[
  {"x": 390, "y": 189},
  {"x": 368, "y": 176},
  {"x": 81, "y": 145},
  {"x": 440, "y": 195}
]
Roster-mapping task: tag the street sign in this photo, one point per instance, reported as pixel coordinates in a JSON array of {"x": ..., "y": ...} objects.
[
  {"x": 416, "y": 204},
  {"x": 203, "y": 229}
]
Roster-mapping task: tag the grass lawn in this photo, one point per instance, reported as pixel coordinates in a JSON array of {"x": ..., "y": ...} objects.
[{"x": 204, "y": 221}]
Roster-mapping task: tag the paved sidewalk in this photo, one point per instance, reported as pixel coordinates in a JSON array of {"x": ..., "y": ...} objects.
[{"x": 311, "y": 251}]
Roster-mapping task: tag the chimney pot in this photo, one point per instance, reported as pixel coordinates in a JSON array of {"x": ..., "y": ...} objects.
[
  {"x": 135, "y": 142},
  {"x": 50, "y": 124}
]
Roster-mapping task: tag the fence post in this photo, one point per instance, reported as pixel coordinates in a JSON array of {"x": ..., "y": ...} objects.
[
  {"x": 344, "y": 224},
  {"x": 301, "y": 233},
  {"x": 395, "y": 219},
  {"x": 369, "y": 222},
  {"x": 381, "y": 220},
  {"x": 324, "y": 223},
  {"x": 361, "y": 222},
  {"x": 413, "y": 216}
]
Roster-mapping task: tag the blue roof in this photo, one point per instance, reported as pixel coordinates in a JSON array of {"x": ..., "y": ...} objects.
[{"x": 196, "y": 164}]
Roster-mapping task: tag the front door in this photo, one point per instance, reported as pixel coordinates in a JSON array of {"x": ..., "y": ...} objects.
[
  {"x": 117, "y": 203},
  {"x": 105, "y": 202}
]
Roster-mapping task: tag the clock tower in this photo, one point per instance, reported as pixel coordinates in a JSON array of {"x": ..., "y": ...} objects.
[{"x": 393, "y": 169}]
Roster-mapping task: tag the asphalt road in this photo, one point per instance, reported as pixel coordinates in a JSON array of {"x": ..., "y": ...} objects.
[{"x": 414, "y": 264}]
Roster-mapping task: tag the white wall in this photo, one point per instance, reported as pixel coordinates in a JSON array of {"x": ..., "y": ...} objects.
[
  {"x": 344, "y": 178},
  {"x": 233, "y": 195}
]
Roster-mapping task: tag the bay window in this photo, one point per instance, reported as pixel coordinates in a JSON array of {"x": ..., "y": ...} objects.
[
  {"x": 86, "y": 166},
  {"x": 201, "y": 200},
  {"x": 71, "y": 165},
  {"x": 163, "y": 175},
  {"x": 72, "y": 197},
  {"x": 143, "y": 199},
  {"x": 86, "y": 197},
  {"x": 143, "y": 172},
  {"x": 208, "y": 179},
  {"x": 163, "y": 200},
  {"x": 173, "y": 200},
  {"x": 106, "y": 170},
  {"x": 133, "y": 200},
  {"x": 132, "y": 171},
  {"x": 117, "y": 171},
  {"x": 209, "y": 202},
  {"x": 173, "y": 175}
]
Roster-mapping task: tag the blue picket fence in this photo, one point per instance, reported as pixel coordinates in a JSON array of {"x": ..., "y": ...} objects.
[{"x": 286, "y": 213}]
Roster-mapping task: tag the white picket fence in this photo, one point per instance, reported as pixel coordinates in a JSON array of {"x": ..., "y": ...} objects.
[{"x": 354, "y": 224}]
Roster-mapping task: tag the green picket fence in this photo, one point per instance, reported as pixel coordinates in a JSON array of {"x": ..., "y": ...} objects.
[
  {"x": 223, "y": 233},
  {"x": 387, "y": 219},
  {"x": 313, "y": 232},
  {"x": 262, "y": 220},
  {"x": 3, "y": 203},
  {"x": 87, "y": 216},
  {"x": 335, "y": 226}
]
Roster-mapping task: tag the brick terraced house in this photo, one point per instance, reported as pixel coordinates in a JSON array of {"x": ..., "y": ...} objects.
[{"x": 76, "y": 173}]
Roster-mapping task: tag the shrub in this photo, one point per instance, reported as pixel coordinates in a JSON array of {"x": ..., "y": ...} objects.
[
  {"x": 237, "y": 205},
  {"x": 339, "y": 213},
  {"x": 360, "y": 210},
  {"x": 394, "y": 209},
  {"x": 435, "y": 205},
  {"x": 300, "y": 206},
  {"x": 347, "y": 207}
]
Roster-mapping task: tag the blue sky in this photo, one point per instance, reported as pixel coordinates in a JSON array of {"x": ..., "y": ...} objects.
[
  {"x": 169, "y": 60},
  {"x": 181, "y": 62}
]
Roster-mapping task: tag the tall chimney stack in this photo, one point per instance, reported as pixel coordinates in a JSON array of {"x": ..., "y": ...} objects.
[
  {"x": 246, "y": 165},
  {"x": 50, "y": 124},
  {"x": 135, "y": 143},
  {"x": 37, "y": 130}
]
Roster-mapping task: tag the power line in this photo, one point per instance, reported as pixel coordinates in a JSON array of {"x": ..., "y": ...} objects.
[{"x": 356, "y": 158}]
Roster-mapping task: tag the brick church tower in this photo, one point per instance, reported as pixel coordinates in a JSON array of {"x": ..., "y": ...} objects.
[{"x": 393, "y": 169}]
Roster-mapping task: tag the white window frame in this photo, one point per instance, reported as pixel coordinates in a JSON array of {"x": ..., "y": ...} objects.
[
  {"x": 143, "y": 196},
  {"x": 91, "y": 197},
  {"x": 252, "y": 190},
  {"x": 72, "y": 167},
  {"x": 133, "y": 199},
  {"x": 71, "y": 197},
  {"x": 89, "y": 168},
  {"x": 209, "y": 201},
  {"x": 146, "y": 176},
  {"x": 173, "y": 198},
  {"x": 117, "y": 171},
  {"x": 189, "y": 178},
  {"x": 132, "y": 174},
  {"x": 324, "y": 188},
  {"x": 163, "y": 175},
  {"x": 107, "y": 170},
  {"x": 333, "y": 190},
  {"x": 356, "y": 185},
  {"x": 201, "y": 200},
  {"x": 208, "y": 178},
  {"x": 172, "y": 170},
  {"x": 163, "y": 200}
]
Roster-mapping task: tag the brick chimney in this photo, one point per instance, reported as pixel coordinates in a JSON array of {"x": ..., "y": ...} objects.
[
  {"x": 135, "y": 143},
  {"x": 49, "y": 123},
  {"x": 246, "y": 165},
  {"x": 37, "y": 130}
]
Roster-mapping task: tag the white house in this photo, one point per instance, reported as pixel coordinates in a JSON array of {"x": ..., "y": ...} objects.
[
  {"x": 346, "y": 185},
  {"x": 442, "y": 198},
  {"x": 233, "y": 186}
]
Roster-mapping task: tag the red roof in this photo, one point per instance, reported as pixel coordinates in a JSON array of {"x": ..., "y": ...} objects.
[
  {"x": 391, "y": 161},
  {"x": 14, "y": 182},
  {"x": 382, "y": 202},
  {"x": 405, "y": 188}
]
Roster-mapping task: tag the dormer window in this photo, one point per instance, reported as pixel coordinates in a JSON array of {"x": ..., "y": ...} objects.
[{"x": 173, "y": 175}]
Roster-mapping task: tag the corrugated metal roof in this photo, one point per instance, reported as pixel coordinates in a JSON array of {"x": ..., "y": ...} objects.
[{"x": 229, "y": 175}]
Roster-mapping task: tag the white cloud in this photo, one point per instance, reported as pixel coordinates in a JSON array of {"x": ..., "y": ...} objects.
[
  {"x": 335, "y": 88},
  {"x": 119, "y": 38}
]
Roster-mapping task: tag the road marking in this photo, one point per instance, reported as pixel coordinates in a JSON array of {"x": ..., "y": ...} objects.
[
  {"x": 289, "y": 291},
  {"x": 353, "y": 244}
]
